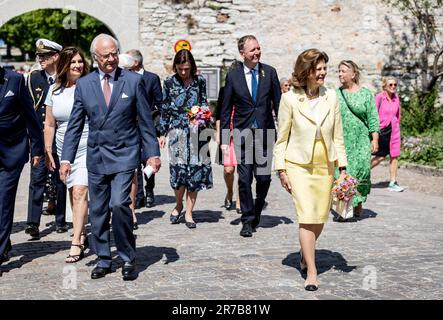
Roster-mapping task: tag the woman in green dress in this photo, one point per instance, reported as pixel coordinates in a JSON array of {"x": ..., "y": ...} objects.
[{"x": 360, "y": 121}]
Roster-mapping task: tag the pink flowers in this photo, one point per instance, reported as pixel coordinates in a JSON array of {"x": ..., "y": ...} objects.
[
  {"x": 344, "y": 189},
  {"x": 200, "y": 116}
]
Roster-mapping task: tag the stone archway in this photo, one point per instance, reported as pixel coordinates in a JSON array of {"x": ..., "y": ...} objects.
[{"x": 121, "y": 17}]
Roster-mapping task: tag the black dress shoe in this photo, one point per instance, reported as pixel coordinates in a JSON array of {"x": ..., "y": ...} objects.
[
  {"x": 238, "y": 210},
  {"x": 99, "y": 272},
  {"x": 150, "y": 199},
  {"x": 33, "y": 231},
  {"x": 128, "y": 271},
  {"x": 246, "y": 230},
  {"x": 61, "y": 229}
]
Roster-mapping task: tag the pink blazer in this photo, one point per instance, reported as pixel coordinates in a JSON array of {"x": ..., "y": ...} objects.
[{"x": 389, "y": 113}]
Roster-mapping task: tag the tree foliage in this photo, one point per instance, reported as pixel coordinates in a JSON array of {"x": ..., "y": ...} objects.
[
  {"x": 423, "y": 14},
  {"x": 67, "y": 28}
]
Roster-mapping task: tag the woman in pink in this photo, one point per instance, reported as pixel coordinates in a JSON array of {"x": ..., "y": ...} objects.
[{"x": 388, "y": 106}]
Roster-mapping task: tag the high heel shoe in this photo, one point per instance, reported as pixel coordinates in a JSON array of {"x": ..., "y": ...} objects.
[
  {"x": 76, "y": 257},
  {"x": 86, "y": 241},
  {"x": 191, "y": 225},
  {"x": 228, "y": 203}
]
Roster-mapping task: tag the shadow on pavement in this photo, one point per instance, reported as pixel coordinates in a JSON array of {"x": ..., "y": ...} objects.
[
  {"x": 324, "y": 259},
  {"x": 209, "y": 216},
  {"x": 148, "y": 215},
  {"x": 267, "y": 221},
  {"x": 380, "y": 185},
  {"x": 32, "y": 250}
]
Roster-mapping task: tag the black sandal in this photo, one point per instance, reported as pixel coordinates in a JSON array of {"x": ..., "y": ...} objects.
[
  {"x": 76, "y": 257},
  {"x": 85, "y": 242}
]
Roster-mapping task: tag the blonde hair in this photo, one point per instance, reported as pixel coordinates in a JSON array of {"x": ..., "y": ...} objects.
[
  {"x": 385, "y": 80},
  {"x": 351, "y": 65},
  {"x": 306, "y": 63}
]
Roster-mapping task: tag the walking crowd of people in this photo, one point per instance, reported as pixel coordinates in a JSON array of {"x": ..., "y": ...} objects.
[{"x": 98, "y": 134}]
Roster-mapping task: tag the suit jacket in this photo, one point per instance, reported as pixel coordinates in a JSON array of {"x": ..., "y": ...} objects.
[
  {"x": 18, "y": 122},
  {"x": 236, "y": 93},
  {"x": 297, "y": 128},
  {"x": 38, "y": 87},
  {"x": 114, "y": 139},
  {"x": 154, "y": 89}
]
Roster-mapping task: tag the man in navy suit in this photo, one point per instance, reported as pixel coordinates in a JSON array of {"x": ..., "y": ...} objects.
[
  {"x": 112, "y": 99},
  {"x": 155, "y": 97},
  {"x": 254, "y": 89},
  {"x": 18, "y": 124}
]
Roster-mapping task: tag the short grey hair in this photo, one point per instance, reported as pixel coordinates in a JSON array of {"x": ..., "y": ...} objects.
[
  {"x": 101, "y": 36},
  {"x": 126, "y": 61},
  {"x": 137, "y": 55}
]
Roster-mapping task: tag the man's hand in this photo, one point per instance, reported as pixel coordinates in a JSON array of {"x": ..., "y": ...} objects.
[
  {"x": 35, "y": 161},
  {"x": 65, "y": 171},
  {"x": 162, "y": 141},
  {"x": 155, "y": 163}
]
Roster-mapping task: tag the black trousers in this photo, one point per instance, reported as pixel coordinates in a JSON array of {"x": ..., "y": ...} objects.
[
  {"x": 8, "y": 191},
  {"x": 254, "y": 156},
  {"x": 150, "y": 183},
  {"x": 36, "y": 190}
]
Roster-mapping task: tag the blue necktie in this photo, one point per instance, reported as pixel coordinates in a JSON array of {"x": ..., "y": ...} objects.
[
  {"x": 254, "y": 124},
  {"x": 254, "y": 85}
]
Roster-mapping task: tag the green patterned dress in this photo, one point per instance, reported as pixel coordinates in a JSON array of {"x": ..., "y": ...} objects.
[{"x": 356, "y": 136}]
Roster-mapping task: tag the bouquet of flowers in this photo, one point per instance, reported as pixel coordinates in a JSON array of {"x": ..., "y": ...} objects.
[
  {"x": 342, "y": 192},
  {"x": 200, "y": 117}
]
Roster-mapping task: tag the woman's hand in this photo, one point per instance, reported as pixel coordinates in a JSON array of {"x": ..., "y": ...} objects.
[
  {"x": 374, "y": 146},
  {"x": 162, "y": 141},
  {"x": 49, "y": 161},
  {"x": 285, "y": 181}
]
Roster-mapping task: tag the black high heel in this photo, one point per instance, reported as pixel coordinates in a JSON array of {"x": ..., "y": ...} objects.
[{"x": 86, "y": 241}]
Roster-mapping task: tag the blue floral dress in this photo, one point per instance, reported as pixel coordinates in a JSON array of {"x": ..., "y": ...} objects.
[{"x": 188, "y": 146}]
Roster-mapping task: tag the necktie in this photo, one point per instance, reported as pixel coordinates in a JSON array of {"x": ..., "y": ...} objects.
[
  {"x": 106, "y": 89},
  {"x": 51, "y": 81},
  {"x": 253, "y": 85}
]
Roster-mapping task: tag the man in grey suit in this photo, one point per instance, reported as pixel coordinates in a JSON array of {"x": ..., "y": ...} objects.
[{"x": 111, "y": 99}]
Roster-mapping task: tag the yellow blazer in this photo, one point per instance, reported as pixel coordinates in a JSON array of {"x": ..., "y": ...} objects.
[{"x": 297, "y": 128}]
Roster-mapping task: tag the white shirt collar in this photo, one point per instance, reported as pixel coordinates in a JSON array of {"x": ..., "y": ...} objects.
[
  {"x": 102, "y": 74},
  {"x": 141, "y": 71},
  {"x": 248, "y": 70},
  {"x": 49, "y": 76}
]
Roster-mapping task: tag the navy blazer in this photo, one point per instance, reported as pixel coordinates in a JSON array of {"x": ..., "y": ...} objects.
[
  {"x": 236, "y": 93},
  {"x": 154, "y": 89},
  {"x": 113, "y": 140},
  {"x": 18, "y": 122}
]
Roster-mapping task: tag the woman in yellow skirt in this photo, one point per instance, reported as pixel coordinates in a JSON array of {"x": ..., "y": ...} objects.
[{"x": 309, "y": 146}]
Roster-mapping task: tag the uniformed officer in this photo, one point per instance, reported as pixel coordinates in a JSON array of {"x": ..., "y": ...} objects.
[{"x": 38, "y": 85}]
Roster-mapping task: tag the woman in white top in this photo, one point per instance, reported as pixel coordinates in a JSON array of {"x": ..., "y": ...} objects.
[{"x": 60, "y": 100}]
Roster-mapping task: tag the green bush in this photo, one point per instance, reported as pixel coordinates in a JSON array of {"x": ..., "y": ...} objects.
[
  {"x": 420, "y": 113},
  {"x": 426, "y": 149}
]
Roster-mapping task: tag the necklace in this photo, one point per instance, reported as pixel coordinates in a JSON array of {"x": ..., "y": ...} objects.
[{"x": 310, "y": 95}]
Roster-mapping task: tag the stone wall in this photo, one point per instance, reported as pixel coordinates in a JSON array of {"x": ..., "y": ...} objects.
[{"x": 351, "y": 29}]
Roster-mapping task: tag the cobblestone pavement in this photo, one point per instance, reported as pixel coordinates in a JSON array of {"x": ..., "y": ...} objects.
[{"x": 393, "y": 252}]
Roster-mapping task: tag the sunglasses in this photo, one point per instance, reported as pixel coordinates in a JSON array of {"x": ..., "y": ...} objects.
[{"x": 393, "y": 85}]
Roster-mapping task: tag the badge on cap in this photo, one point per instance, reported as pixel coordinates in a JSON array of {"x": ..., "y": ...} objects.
[{"x": 41, "y": 45}]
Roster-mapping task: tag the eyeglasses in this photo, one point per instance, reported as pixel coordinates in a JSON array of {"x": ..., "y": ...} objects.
[
  {"x": 107, "y": 56},
  {"x": 393, "y": 85}
]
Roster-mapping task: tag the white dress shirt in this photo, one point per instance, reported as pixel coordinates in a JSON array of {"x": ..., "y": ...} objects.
[
  {"x": 316, "y": 112},
  {"x": 48, "y": 77},
  {"x": 248, "y": 76}
]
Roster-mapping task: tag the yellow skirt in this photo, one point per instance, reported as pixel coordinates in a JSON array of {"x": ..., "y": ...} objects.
[{"x": 311, "y": 186}]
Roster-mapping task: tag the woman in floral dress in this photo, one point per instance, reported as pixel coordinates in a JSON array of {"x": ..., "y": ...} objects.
[
  {"x": 189, "y": 160},
  {"x": 360, "y": 119}
]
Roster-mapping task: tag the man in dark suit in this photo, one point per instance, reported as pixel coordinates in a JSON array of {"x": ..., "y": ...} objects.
[
  {"x": 18, "y": 125},
  {"x": 254, "y": 89},
  {"x": 38, "y": 85},
  {"x": 112, "y": 99},
  {"x": 155, "y": 97}
]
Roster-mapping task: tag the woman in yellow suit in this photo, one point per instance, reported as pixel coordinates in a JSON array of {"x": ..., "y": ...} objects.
[{"x": 308, "y": 148}]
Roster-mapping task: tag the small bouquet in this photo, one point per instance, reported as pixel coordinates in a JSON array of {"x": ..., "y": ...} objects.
[
  {"x": 200, "y": 117},
  {"x": 342, "y": 192}
]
